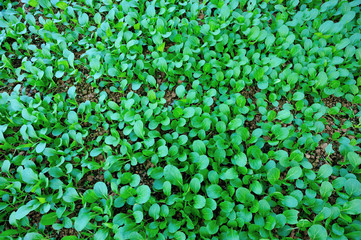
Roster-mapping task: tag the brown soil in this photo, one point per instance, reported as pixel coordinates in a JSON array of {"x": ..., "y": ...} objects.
[
  {"x": 333, "y": 124},
  {"x": 86, "y": 92},
  {"x": 66, "y": 232},
  {"x": 249, "y": 92},
  {"x": 90, "y": 178},
  {"x": 142, "y": 170},
  {"x": 9, "y": 88}
]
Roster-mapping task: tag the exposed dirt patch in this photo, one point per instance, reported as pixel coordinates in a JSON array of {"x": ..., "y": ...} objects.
[
  {"x": 66, "y": 232},
  {"x": 160, "y": 77},
  {"x": 34, "y": 220},
  {"x": 37, "y": 41},
  {"x": 250, "y": 92},
  {"x": 146, "y": 51},
  {"x": 142, "y": 171},
  {"x": 86, "y": 92},
  {"x": 170, "y": 96},
  {"x": 114, "y": 96},
  {"x": 318, "y": 157},
  {"x": 168, "y": 44},
  {"x": 253, "y": 124},
  {"x": 94, "y": 134},
  {"x": 9, "y": 88},
  {"x": 90, "y": 178},
  {"x": 27, "y": 8}
]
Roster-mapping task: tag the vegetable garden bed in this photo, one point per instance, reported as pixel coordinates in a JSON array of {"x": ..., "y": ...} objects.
[{"x": 124, "y": 119}]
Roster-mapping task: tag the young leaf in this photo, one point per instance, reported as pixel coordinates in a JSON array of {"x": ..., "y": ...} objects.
[
  {"x": 354, "y": 159},
  {"x": 317, "y": 232},
  {"x": 49, "y": 219},
  {"x": 101, "y": 190},
  {"x": 294, "y": 173},
  {"x": 199, "y": 147},
  {"x": 82, "y": 220},
  {"x": 143, "y": 194},
  {"x": 173, "y": 175},
  {"x": 138, "y": 129},
  {"x": 273, "y": 175}
]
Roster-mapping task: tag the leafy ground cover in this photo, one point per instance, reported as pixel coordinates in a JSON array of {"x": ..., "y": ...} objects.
[{"x": 124, "y": 119}]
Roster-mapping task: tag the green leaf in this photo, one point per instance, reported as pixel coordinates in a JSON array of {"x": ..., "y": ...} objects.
[
  {"x": 151, "y": 96},
  {"x": 259, "y": 74},
  {"x": 297, "y": 96},
  {"x": 6, "y": 62},
  {"x": 353, "y": 187},
  {"x": 199, "y": 147},
  {"x": 154, "y": 211},
  {"x": 162, "y": 64},
  {"x": 113, "y": 106},
  {"x": 173, "y": 175},
  {"x": 143, "y": 194},
  {"x": 49, "y": 219},
  {"x": 138, "y": 129},
  {"x": 256, "y": 187},
  {"x": 180, "y": 91},
  {"x": 62, "y": 5},
  {"x": 220, "y": 127},
  {"x": 163, "y": 151},
  {"x": 212, "y": 227},
  {"x": 284, "y": 114},
  {"x": 290, "y": 202},
  {"x": 113, "y": 72},
  {"x": 33, "y": 3},
  {"x": 240, "y": 159},
  {"x": 70, "y": 195},
  {"x": 167, "y": 188},
  {"x": 150, "y": 10},
  {"x": 317, "y": 232},
  {"x": 273, "y": 175},
  {"x": 33, "y": 236},
  {"x": 348, "y": 17},
  {"x": 235, "y": 123},
  {"x": 243, "y": 195},
  {"x": 29, "y": 176},
  {"x": 101, "y": 190},
  {"x": 253, "y": 35},
  {"x": 214, "y": 191},
  {"x": 354, "y": 159},
  {"x": 225, "y": 12},
  {"x": 49, "y": 152},
  {"x": 352, "y": 207},
  {"x": 138, "y": 216},
  {"x": 294, "y": 173},
  {"x": 231, "y": 173},
  {"x": 219, "y": 76},
  {"x": 326, "y": 189},
  {"x": 326, "y": 27},
  {"x": 291, "y": 216},
  {"x": 275, "y": 62},
  {"x": 72, "y": 92},
  {"x": 188, "y": 112},
  {"x": 325, "y": 171},
  {"x": 199, "y": 201},
  {"x": 321, "y": 81},
  {"x": 95, "y": 152},
  {"x": 90, "y": 196},
  {"x": 72, "y": 117},
  {"x": 22, "y": 212},
  {"x": 283, "y": 31},
  {"x": 82, "y": 220},
  {"x": 195, "y": 185}
]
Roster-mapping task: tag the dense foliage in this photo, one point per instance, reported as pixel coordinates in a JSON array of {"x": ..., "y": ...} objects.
[{"x": 164, "y": 119}]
